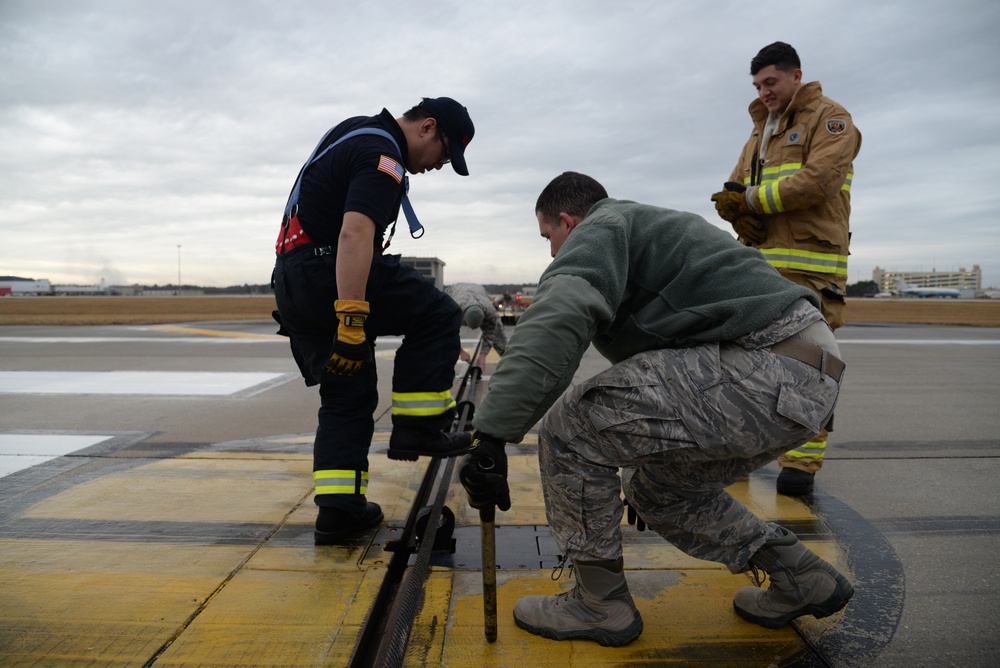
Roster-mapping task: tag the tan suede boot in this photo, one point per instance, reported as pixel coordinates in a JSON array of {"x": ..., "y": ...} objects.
[
  {"x": 801, "y": 584},
  {"x": 598, "y": 608}
]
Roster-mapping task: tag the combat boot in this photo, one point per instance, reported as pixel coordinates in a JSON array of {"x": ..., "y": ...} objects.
[
  {"x": 598, "y": 608},
  {"x": 408, "y": 442},
  {"x": 794, "y": 482},
  {"x": 334, "y": 525},
  {"x": 801, "y": 584}
]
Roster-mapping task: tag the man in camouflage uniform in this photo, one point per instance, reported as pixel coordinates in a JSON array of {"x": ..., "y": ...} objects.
[
  {"x": 720, "y": 365},
  {"x": 479, "y": 312}
]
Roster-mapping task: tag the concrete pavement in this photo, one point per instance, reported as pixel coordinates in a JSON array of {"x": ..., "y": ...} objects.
[{"x": 909, "y": 489}]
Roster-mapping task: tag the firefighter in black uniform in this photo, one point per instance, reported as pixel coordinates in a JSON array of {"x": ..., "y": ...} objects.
[{"x": 336, "y": 291}]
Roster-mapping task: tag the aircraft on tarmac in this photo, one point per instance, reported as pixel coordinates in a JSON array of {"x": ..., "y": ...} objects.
[{"x": 907, "y": 290}]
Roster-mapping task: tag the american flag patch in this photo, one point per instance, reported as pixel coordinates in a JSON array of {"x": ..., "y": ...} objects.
[{"x": 390, "y": 167}]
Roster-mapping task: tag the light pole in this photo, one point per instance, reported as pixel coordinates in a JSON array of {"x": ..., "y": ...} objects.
[{"x": 178, "y": 269}]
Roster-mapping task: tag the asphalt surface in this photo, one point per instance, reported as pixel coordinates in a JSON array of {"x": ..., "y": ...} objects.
[{"x": 910, "y": 481}]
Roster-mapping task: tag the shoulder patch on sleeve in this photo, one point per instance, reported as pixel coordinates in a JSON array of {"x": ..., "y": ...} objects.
[
  {"x": 390, "y": 167},
  {"x": 836, "y": 126}
]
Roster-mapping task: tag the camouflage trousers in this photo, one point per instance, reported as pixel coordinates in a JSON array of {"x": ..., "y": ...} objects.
[
  {"x": 679, "y": 425},
  {"x": 809, "y": 456}
]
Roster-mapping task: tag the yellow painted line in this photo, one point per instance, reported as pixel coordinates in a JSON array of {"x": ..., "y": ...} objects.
[
  {"x": 107, "y": 599},
  {"x": 184, "y": 491},
  {"x": 223, "y": 454},
  {"x": 304, "y": 438},
  {"x": 101, "y": 602},
  {"x": 688, "y": 618},
  {"x": 216, "y": 332},
  {"x": 278, "y": 618}
]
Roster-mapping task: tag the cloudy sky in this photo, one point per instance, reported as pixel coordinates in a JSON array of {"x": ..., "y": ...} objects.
[{"x": 128, "y": 129}]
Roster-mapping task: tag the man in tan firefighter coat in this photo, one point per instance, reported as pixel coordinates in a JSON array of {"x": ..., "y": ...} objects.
[{"x": 790, "y": 197}]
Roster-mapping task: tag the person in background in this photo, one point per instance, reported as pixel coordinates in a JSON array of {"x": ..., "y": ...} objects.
[
  {"x": 790, "y": 196},
  {"x": 479, "y": 312}
]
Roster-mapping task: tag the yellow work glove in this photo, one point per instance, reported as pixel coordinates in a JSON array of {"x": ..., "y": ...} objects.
[
  {"x": 750, "y": 228},
  {"x": 731, "y": 203},
  {"x": 350, "y": 350}
]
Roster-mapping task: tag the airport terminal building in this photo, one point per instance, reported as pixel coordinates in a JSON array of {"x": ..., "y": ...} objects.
[{"x": 969, "y": 283}]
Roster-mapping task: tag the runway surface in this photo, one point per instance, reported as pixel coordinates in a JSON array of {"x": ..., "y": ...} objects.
[{"x": 155, "y": 509}]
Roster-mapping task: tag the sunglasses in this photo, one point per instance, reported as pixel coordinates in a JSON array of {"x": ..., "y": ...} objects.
[{"x": 446, "y": 158}]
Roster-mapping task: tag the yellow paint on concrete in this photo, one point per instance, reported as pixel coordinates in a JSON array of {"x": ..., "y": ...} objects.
[
  {"x": 688, "y": 620},
  {"x": 223, "y": 454},
  {"x": 289, "y": 603},
  {"x": 759, "y": 496},
  {"x": 98, "y": 602},
  {"x": 304, "y": 439},
  {"x": 276, "y": 618},
  {"x": 186, "y": 490},
  {"x": 292, "y": 549},
  {"x": 429, "y": 633},
  {"x": 216, "y": 332}
]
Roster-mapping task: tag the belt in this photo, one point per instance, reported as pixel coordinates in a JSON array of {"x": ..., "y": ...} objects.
[
  {"x": 811, "y": 354},
  {"x": 308, "y": 249}
]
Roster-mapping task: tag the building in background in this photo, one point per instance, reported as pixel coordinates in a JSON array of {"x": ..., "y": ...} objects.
[
  {"x": 968, "y": 283},
  {"x": 17, "y": 286},
  {"x": 78, "y": 290},
  {"x": 430, "y": 267}
]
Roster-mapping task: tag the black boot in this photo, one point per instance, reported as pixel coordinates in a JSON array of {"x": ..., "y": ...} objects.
[
  {"x": 410, "y": 441},
  {"x": 334, "y": 525},
  {"x": 794, "y": 482}
]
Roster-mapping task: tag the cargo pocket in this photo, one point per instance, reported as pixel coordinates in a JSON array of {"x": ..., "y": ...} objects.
[
  {"x": 634, "y": 425},
  {"x": 801, "y": 408}
]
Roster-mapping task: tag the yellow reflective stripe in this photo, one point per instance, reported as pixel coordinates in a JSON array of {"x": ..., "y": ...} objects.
[
  {"x": 791, "y": 258},
  {"x": 809, "y": 450},
  {"x": 770, "y": 199},
  {"x": 768, "y": 193},
  {"x": 422, "y": 403},
  {"x": 341, "y": 482},
  {"x": 779, "y": 172}
]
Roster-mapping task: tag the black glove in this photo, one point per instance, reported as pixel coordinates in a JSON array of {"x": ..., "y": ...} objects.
[
  {"x": 633, "y": 517},
  {"x": 483, "y": 472},
  {"x": 350, "y": 350}
]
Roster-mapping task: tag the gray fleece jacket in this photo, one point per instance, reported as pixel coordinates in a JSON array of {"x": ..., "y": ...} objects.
[{"x": 629, "y": 278}]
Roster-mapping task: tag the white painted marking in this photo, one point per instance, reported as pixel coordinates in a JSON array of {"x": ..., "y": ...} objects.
[
  {"x": 21, "y": 451},
  {"x": 381, "y": 341},
  {"x": 131, "y": 382},
  {"x": 138, "y": 339},
  {"x": 923, "y": 342}
]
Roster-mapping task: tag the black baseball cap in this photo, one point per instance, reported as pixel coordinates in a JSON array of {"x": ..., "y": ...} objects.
[{"x": 454, "y": 120}]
